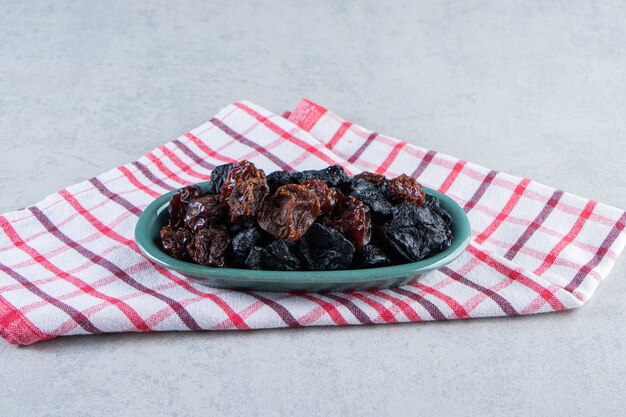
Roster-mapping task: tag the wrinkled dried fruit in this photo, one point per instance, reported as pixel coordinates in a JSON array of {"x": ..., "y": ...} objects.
[
  {"x": 415, "y": 233},
  {"x": 333, "y": 176},
  {"x": 175, "y": 241},
  {"x": 204, "y": 211},
  {"x": 243, "y": 243},
  {"x": 277, "y": 179},
  {"x": 371, "y": 256},
  {"x": 289, "y": 212},
  {"x": 210, "y": 246},
  {"x": 325, "y": 249},
  {"x": 218, "y": 175},
  {"x": 179, "y": 202},
  {"x": 433, "y": 204},
  {"x": 275, "y": 257},
  {"x": 405, "y": 189},
  {"x": 352, "y": 218},
  {"x": 246, "y": 198},
  {"x": 373, "y": 197},
  {"x": 377, "y": 180},
  {"x": 244, "y": 170},
  {"x": 326, "y": 196}
]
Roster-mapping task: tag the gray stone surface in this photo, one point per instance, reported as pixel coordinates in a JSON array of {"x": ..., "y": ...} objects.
[{"x": 531, "y": 88}]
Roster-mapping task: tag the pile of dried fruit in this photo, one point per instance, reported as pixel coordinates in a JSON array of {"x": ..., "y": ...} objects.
[{"x": 309, "y": 220}]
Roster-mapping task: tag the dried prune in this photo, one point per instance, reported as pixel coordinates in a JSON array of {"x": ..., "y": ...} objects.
[
  {"x": 378, "y": 180},
  {"x": 218, "y": 175},
  {"x": 275, "y": 257},
  {"x": 210, "y": 246},
  {"x": 333, "y": 176},
  {"x": 243, "y": 242},
  {"x": 179, "y": 202},
  {"x": 326, "y": 196},
  {"x": 433, "y": 204},
  {"x": 371, "y": 256},
  {"x": 244, "y": 170},
  {"x": 175, "y": 241},
  {"x": 352, "y": 217},
  {"x": 289, "y": 212},
  {"x": 246, "y": 198},
  {"x": 325, "y": 249},
  {"x": 415, "y": 233},
  {"x": 204, "y": 211},
  {"x": 373, "y": 197},
  {"x": 277, "y": 179},
  {"x": 405, "y": 189}
]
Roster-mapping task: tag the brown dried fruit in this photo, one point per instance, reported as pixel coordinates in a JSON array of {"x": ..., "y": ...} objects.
[
  {"x": 378, "y": 180},
  {"x": 352, "y": 217},
  {"x": 175, "y": 241},
  {"x": 179, "y": 202},
  {"x": 244, "y": 170},
  {"x": 204, "y": 211},
  {"x": 326, "y": 196},
  {"x": 406, "y": 189},
  {"x": 210, "y": 246},
  {"x": 246, "y": 198},
  {"x": 289, "y": 212}
]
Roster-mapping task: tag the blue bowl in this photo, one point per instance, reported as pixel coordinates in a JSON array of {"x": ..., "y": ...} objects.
[{"x": 156, "y": 215}]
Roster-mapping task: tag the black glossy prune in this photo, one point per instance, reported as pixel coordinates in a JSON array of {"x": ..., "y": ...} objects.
[
  {"x": 277, "y": 179},
  {"x": 275, "y": 257},
  {"x": 179, "y": 202},
  {"x": 415, "y": 233},
  {"x": 175, "y": 241},
  {"x": 433, "y": 204},
  {"x": 325, "y": 249},
  {"x": 204, "y": 211},
  {"x": 210, "y": 246},
  {"x": 218, "y": 175},
  {"x": 378, "y": 180},
  {"x": 333, "y": 176},
  {"x": 243, "y": 243},
  {"x": 373, "y": 197},
  {"x": 371, "y": 256}
]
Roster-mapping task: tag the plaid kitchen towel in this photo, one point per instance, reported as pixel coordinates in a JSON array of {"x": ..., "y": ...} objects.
[{"x": 69, "y": 265}]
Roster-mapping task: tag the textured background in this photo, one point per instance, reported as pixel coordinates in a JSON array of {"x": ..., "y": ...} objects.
[{"x": 533, "y": 89}]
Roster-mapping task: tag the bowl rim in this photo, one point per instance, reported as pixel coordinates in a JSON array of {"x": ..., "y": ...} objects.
[{"x": 155, "y": 254}]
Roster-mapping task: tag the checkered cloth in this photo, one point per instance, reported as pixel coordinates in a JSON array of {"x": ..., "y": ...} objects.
[{"x": 69, "y": 265}]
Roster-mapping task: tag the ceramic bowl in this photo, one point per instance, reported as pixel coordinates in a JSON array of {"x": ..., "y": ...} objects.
[{"x": 156, "y": 215}]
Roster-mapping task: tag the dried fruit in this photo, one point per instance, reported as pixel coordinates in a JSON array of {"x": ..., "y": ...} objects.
[
  {"x": 433, "y": 204},
  {"x": 289, "y": 212},
  {"x": 333, "y": 176},
  {"x": 244, "y": 170},
  {"x": 352, "y": 218},
  {"x": 218, "y": 176},
  {"x": 204, "y": 211},
  {"x": 371, "y": 256},
  {"x": 179, "y": 202},
  {"x": 326, "y": 196},
  {"x": 209, "y": 246},
  {"x": 325, "y": 249},
  {"x": 377, "y": 180},
  {"x": 405, "y": 189},
  {"x": 373, "y": 197},
  {"x": 243, "y": 242},
  {"x": 275, "y": 257},
  {"x": 246, "y": 198},
  {"x": 175, "y": 241},
  {"x": 277, "y": 179},
  {"x": 415, "y": 233}
]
